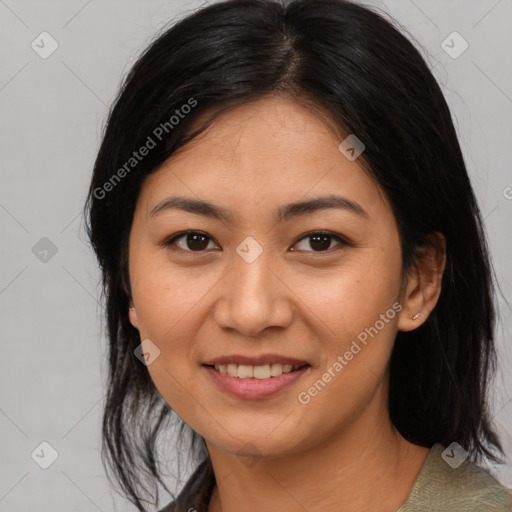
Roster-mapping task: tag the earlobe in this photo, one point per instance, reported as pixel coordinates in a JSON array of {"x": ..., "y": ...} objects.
[
  {"x": 413, "y": 304},
  {"x": 424, "y": 284},
  {"x": 132, "y": 314}
]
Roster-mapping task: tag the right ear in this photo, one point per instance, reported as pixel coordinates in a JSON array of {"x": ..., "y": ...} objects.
[{"x": 132, "y": 314}]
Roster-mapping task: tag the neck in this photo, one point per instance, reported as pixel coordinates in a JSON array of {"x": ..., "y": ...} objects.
[{"x": 369, "y": 466}]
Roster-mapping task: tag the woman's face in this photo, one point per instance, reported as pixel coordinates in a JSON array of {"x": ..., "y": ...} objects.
[{"x": 261, "y": 283}]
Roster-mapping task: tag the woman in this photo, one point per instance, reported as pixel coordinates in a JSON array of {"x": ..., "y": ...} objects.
[{"x": 294, "y": 264}]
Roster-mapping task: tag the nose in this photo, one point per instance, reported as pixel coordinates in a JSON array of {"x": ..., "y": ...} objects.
[{"x": 253, "y": 298}]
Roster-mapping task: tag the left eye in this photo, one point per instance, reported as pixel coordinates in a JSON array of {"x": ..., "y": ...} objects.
[{"x": 319, "y": 241}]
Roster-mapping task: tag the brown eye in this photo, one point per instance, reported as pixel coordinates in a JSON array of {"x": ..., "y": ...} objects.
[
  {"x": 190, "y": 241},
  {"x": 319, "y": 241}
]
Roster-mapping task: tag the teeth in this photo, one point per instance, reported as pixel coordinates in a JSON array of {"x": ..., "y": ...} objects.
[
  {"x": 276, "y": 369},
  {"x": 244, "y": 371}
]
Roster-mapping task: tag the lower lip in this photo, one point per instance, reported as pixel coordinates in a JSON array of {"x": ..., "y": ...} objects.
[{"x": 255, "y": 388}]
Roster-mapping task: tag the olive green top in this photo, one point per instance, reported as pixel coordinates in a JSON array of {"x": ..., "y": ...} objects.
[{"x": 446, "y": 483}]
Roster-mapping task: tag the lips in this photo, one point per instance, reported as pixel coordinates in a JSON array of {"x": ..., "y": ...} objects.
[
  {"x": 255, "y": 377},
  {"x": 255, "y": 388}
]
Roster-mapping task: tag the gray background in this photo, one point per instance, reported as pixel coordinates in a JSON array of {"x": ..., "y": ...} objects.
[{"x": 52, "y": 113}]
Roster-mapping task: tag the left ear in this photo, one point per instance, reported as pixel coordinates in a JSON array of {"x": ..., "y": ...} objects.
[{"x": 423, "y": 283}]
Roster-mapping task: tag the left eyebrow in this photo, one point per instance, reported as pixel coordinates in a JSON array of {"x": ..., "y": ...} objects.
[
  {"x": 320, "y": 203},
  {"x": 200, "y": 207}
]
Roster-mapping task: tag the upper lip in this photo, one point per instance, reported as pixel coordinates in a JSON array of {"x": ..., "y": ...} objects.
[{"x": 255, "y": 361}]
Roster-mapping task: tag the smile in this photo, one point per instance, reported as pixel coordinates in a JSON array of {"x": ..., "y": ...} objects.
[{"x": 255, "y": 382}]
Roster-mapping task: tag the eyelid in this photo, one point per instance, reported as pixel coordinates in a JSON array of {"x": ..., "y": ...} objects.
[{"x": 170, "y": 241}]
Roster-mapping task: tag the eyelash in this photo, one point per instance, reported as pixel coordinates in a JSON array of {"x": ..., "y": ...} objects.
[{"x": 342, "y": 242}]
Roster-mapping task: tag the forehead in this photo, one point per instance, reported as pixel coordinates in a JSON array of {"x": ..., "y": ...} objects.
[{"x": 266, "y": 152}]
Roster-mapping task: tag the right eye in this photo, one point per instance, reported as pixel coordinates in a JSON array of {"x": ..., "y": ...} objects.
[{"x": 189, "y": 241}]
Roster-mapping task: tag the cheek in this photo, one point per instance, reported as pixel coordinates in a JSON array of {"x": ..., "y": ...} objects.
[
  {"x": 355, "y": 339},
  {"x": 170, "y": 311},
  {"x": 165, "y": 295},
  {"x": 355, "y": 315},
  {"x": 352, "y": 296}
]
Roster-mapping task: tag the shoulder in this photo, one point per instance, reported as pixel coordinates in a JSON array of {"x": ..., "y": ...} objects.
[
  {"x": 195, "y": 495},
  {"x": 444, "y": 483}
]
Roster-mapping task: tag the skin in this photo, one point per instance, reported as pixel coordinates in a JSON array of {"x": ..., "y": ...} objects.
[{"x": 294, "y": 300}]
